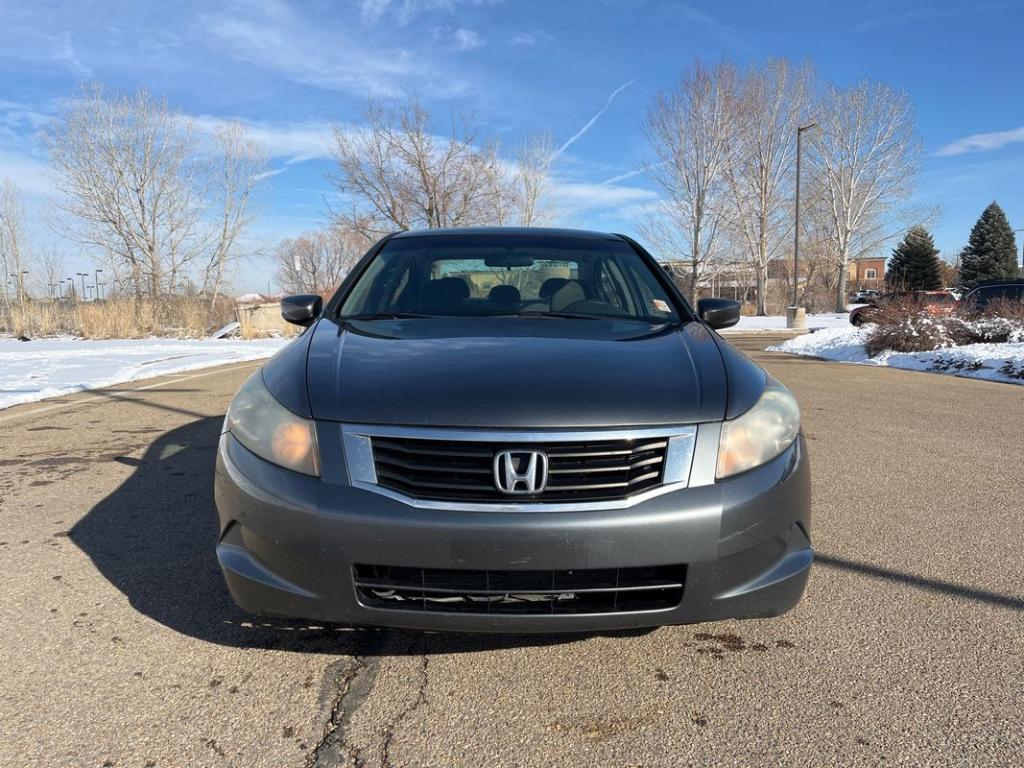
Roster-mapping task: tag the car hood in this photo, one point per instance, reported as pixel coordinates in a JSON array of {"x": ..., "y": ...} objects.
[{"x": 514, "y": 372}]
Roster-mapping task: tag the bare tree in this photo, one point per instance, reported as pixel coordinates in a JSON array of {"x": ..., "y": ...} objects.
[
  {"x": 689, "y": 130},
  {"x": 129, "y": 184},
  {"x": 398, "y": 174},
  {"x": 499, "y": 196},
  {"x": 772, "y": 100},
  {"x": 238, "y": 168},
  {"x": 533, "y": 178},
  {"x": 316, "y": 262},
  {"x": 50, "y": 267},
  {"x": 13, "y": 243},
  {"x": 864, "y": 161}
]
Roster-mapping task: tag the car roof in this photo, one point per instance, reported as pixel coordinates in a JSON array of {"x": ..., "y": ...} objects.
[
  {"x": 524, "y": 231},
  {"x": 1001, "y": 281}
]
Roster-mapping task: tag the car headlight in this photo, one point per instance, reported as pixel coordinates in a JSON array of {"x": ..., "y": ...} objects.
[
  {"x": 760, "y": 434},
  {"x": 270, "y": 430}
]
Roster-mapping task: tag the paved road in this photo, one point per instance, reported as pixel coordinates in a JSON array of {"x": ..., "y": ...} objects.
[{"x": 120, "y": 647}]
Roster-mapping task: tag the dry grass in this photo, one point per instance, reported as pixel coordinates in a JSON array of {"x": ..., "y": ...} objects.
[{"x": 118, "y": 318}]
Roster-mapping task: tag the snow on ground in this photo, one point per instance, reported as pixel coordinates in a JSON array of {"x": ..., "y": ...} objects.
[
  {"x": 994, "y": 362},
  {"x": 33, "y": 370},
  {"x": 778, "y": 322}
]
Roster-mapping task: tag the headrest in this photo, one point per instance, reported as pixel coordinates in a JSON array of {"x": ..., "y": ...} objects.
[
  {"x": 444, "y": 295},
  {"x": 549, "y": 286},
  {"x": 504, "y": 294}
]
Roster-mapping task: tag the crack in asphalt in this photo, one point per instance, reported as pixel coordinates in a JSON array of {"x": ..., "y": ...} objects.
[
  {"x": 420, "y": 700},
  {"x": 350, "y": 682}
]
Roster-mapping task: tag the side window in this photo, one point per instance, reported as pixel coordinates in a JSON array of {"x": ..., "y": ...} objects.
[
  {"x": 611, "y": 286},
  {"x": 652, "y": 293},
  {"x": 983, "y": 296}
]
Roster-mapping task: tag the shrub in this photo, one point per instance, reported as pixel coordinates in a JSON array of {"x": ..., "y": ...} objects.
[{"x": 906, "y": 327}]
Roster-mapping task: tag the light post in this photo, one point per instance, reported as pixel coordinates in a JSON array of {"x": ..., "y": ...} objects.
[
  {"x": 96, "y": 280},
  {"x": 83, "y": 275},
  {"x": 1020, "y": 267},
  {"x": 19, "y": 283},
  {"x": 794, "y": 318}
]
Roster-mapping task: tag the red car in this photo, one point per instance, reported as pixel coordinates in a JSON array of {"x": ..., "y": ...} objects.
[{"x": 932, "y": 302}]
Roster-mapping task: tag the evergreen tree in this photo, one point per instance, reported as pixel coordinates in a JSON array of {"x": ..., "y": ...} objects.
[
  {"x": 991, "y": 252},
  {"x": 914, "y": 264}
]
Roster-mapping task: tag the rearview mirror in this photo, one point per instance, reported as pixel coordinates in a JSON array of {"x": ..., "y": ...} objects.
[
  {"x": 508, "y": 260},
  {"x": 302, "y": 309},
  {"x": 719, "y": 313}
]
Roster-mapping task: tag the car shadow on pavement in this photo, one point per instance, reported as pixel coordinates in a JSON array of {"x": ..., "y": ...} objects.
[{"x": 153, "y": 538}]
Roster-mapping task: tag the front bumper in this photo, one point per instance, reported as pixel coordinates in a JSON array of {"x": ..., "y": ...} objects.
[{"x": 288, "y": 544}]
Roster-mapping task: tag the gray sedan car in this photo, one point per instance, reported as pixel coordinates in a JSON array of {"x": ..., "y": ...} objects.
[{"x": 512, "y": 430}]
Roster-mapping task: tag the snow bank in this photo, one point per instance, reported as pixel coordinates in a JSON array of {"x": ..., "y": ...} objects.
[
  {"x": 33, "y": 370},
  {"x": 994, "y": 362},
  {"x": 778, "y": 322}
]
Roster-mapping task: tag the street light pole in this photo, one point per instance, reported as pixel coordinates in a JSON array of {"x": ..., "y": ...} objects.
[
  {"x": 1020, "y": 267},
  {"x": 83, "y": 275},
  {"x": 97, "y": 281},
  {"x": 796, "y": 221}
]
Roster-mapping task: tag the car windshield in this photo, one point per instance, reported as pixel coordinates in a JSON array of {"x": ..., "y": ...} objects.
[{"x": 494, "y": 275}]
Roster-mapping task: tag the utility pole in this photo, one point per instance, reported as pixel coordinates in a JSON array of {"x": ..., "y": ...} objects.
[{"x": 795, "y": 318}]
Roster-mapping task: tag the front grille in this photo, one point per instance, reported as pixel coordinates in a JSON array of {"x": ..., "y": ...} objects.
[
  {"x": 449, "y": 470},
  {"x": 606, "y": 590}
]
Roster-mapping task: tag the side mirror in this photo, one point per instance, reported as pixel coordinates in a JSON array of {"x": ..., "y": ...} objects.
[
  {"x": 719, "y": 313},
  {"x": 302, "y": 309}
]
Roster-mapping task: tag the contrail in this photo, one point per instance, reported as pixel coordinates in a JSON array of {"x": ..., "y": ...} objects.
[
  {"x": 590, "y": 123},
  {"x": 621, "y": 177}
]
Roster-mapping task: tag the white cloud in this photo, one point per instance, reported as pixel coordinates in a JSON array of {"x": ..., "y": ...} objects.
[
  {"x": 982, "y": 142},
  {"x": 467, "y": 39},
  {"x": 30, "y": 174},
  {"x": 291, "y": 142},
  {"x": 583, "y": 196},
  {"x": 270, "y": 35},
  {"x": 404, "y": 11},
  {"x": 30, "y": 45},
  {"x": 532, "y": 37}
]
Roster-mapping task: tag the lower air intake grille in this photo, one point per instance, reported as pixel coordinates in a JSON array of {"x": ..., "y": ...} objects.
[{"x": 607, "y": 590}]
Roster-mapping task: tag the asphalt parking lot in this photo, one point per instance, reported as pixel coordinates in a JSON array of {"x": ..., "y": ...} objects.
[{"x": 120, "y": 646}]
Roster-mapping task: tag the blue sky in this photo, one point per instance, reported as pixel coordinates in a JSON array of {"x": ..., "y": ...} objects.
[{"x": 291, "y": 69}]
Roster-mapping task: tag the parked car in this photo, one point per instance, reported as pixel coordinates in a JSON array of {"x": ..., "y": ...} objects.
[
  {"x": 978, "y": 298},
  {"x": 932, "y": 302},
  {"x": 865, "y": 297},
  {"x": 512, "y": 430}
]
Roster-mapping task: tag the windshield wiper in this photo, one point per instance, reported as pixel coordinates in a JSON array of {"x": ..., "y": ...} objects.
[
  {"x": 386, "y": 316},
  {"x": 565, "y": 315}
]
